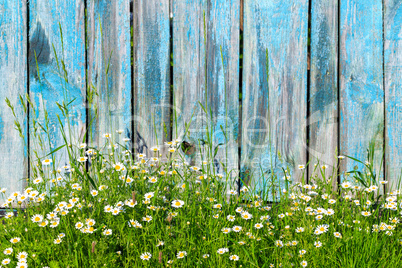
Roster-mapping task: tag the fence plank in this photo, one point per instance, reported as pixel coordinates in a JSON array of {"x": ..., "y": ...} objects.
[
  {"x": 109, "y": 68},
  {"x": 223, "y": 83},
  {"x": 273, "y": 121},
  {"x": 152, "y": 74},
  {"x": 361, "y": 78},
  {"x": 45, "y": 18},
  {"x": 393, "y": 94},
  {"x": 323, "y": 118},
  {"x": 189, "y": 73},
  {"x": 13, "y": 81}
]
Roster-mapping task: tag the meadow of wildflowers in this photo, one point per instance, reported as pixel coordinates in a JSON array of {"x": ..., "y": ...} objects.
[{"x": 112, "y": 207}]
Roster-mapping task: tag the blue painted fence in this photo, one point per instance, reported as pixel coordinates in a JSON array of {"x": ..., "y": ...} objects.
[{"x": 316, "y": 79}]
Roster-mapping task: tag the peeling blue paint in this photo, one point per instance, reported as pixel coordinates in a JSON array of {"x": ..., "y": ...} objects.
[
  {"x": 282, "y": 29},
  {"x": 362, "y": 108}
]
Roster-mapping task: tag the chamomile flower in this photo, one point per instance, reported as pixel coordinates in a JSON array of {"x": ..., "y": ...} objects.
[
  {"x": 102, "y": 187},
  {"x": 330, "y": 212},
  {"x": 317, "y": 244},
  {"x": 90, "y": 222},
  {"x": 130, "y": 203},
  {"x": 222, "y": 250},
  {"x": 94, "y": 193},
  {"x": 177, "y": 203},
  {"x": 147, "y": 218},
  {"x": 234, "y": 258},
  {"x": 146, "y": 256},
  {"x": 43, "y": 223},
  {"x": 153, "y": 179},
  {"x": 119, "y": 167},
  {"x": 230, "y": 218},
  {"x": 304, "y": 263},
  {"x": 15, "y": 240},
  {"x": 236, "y": 228},
  {"x": 219, "y": 206},
  {"x": 82, "y": 159},
  {"x": 46, "y": 162},
  {"x": 6, "y": 261},
  {"x": 301, "y": 167},
  {"x": 154, "y": 149},
  {"x": 38, "y": 180},
  {"x": 181, "y": 254},
  {"x": 338, "y": 235},
  {"x": 232, "y": 192},
  {"x": 37, "y": 218},
  {"x": 107, "y": 232},
  {"x": 265, "y": 217},
  {"x": 346, "y": 185},
  {"x": 54, "y": 223},
  {"x": 22, "y": 255},
  {"x": 279, "y": 243},
  {"x": 239, "y": 210},
  {"x": 141, "y": 156},
  {"x": 108, "y": 208},
  {"x": 258, "y": 225},
  {"x": 226, "y": 230},
  {"x": 149, "y": 195},
  {"x": 8, "y": 251},
  {"x": 160, "y": 243},
  {"x": 246, "y": 215},
  {"x": 57, "y": 240},
  {"x": 366, "y": 213}
]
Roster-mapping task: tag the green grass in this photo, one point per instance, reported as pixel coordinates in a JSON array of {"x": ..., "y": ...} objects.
[{"x": 193, "y": 233}]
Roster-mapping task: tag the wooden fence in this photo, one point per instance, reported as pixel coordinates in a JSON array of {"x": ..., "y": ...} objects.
[{"x": 332, "y": 86}]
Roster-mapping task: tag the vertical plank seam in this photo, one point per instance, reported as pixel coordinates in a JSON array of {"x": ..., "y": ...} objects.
[
  {"x": 27, "y": 64},
  {"x": 338, "y": 81},
  {"x": 86, "y": 68},
  {"x": 171, "y": 80},
  {"x": 132, "y": 64},
  {"x": 384, "y": 104},
  {"x": 240, "y": 114},
  {"x": 308, "y": 88},
  {"x": 86, "y": 76}
]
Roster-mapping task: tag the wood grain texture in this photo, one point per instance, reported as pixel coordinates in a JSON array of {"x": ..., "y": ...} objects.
[
  {"x": 189, "y": 72},
  {"x": 361, "y": 81},
  {"x": 49, "y": 86},
  {"x": 393, "y": 93},
  {"x": 323, "y": 118},
  {"x": 223, "y": 83},
  {"x": 274, "y": 117},
  {"x": 13, "y": 81},
  {"x": 109, "y": 68},
  {"x": 151, "y": 75}
]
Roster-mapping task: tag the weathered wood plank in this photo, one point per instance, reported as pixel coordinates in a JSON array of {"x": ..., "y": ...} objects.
[
  {"x": 281, "y": 111},
  {"x": 109, "y": 68},
  {"x": 323, "y": 118},
  {"x": 49, "y": 86},
  {"x": 361, "y": 82},
  {"x": 223, "y": 83},
  {"x": 189, "y": 73},
  {"x": 151, "y": 75},
  {"x": 393, "y": 93},
  {"x": 13, "y": 81}
]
